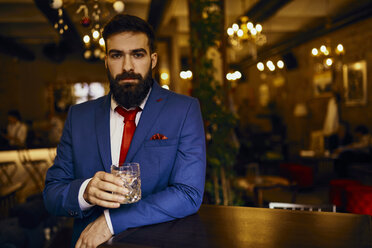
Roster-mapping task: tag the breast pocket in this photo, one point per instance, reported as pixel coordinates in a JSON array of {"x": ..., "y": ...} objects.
[
  {"x": 158, "y": 157},
  {"x": 161, "y": 143}
]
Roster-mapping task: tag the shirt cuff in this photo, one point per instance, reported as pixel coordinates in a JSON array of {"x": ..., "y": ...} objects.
[
  {"x": 108, "y": 220},
  {"x": 84, "y": 205}
]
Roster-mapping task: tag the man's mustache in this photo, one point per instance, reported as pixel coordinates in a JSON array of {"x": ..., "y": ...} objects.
[{"x": 128, "y": 75}]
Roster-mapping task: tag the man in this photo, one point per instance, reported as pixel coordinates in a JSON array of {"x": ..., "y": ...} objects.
[
  {"x": 358, "y": 151},
  {"x": 168, "y": 143},
  {"x": 16, "y": 130}
]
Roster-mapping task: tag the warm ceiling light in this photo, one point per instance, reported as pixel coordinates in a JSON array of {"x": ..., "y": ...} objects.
[
  {"x": 240, "y": 33},
  {"x": 56, "y": 4},
  {"x": 280, "y": 64},
  {"x": 102, "y": 42},
  {"x": 230, "y": 31},
  {"x": 329, "y": 61},
  {"x": 314, "y": 52},
  {"x": 95, "y": 34},
  {"x": 87, "y": 54},
  {"x": 164, "y": 76},
  {"x": 250, "y": 25},
  {"x": 86, "y": 39},
  {"x": 186, "y": 74},
  {"x": 260, "y": 66},
  {"x": 183, "y": 75},
  {"x": 235, "y": 27},
  {"x": 340, "y": 49},
  {"x": 189, "y": 74},
  {"x": 253, "y": 31},
  {"x": 270, "y": 65},
  {"x": 259, "y": 27},
  {"x": 237, "y": 74},
  {"x": 323, "y": 48},
  {"x": 118, "y": 6}
]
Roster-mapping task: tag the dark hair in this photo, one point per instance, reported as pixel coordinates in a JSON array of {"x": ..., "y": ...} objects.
[
  {"x": 15, "y": 113},
  {"x": 361, "y": 129},
  {"x": 128, "y": 23}
]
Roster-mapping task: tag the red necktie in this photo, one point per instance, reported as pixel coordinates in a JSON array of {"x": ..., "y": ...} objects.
[{"x": 129, "y": 128}]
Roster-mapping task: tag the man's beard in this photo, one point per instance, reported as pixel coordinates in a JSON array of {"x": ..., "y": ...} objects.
[{"x": 130, "y": 95}]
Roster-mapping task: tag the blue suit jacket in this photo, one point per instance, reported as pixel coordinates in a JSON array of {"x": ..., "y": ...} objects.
[{"x": 172, "y": 170}]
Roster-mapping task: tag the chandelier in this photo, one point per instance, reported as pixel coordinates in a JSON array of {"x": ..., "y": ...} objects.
[
  {"x": 270, "y": 65},
  {"x": 90, "y": 13},
  {"x": 326, "y": 56},
  {"x": 245, "y": 32}
]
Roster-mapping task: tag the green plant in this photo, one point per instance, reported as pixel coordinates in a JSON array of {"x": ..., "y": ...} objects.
[{"x": 206, "y": 27}]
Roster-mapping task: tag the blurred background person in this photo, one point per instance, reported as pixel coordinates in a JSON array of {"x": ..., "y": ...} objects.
[
  {"x": 358, "y": 151},
  {"x": 55, "y": 127},
  {"x": 16, "y": 131},
  {"x": 342, "y": 138}
]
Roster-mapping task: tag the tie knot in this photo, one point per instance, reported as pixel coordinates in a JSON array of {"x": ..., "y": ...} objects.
[{"x": 129, "y": 115}]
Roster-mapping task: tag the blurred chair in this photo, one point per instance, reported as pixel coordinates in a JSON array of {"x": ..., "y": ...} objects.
[
  {"x": 8, "y": 188},
  {"x": 8, "y": 198},
  {"x": 337, "y": 191},
  {"x": 301, "y": 174},
  {"x": 258, "y": 184},
  {"x": 8, "y": 170},
  {"x": 359, "y": 199},
  {"x": 252, "y": 169},
  {"x": 36, "y": 168},
  {"x": 302, "y": 207}
]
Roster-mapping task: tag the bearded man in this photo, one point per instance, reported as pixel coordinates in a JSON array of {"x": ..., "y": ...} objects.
[{"x": 168, "y": 143}]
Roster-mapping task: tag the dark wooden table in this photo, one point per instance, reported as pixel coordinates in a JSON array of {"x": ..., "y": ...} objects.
[{"x": 220, "y": 226}]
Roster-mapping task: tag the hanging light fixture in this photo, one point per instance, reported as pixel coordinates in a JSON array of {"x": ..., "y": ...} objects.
[
  {"x": 325, "y": 57},
  {"x": 245, "y": 31},
  {"x": 90, "y": 12},
  {"x": 328, "y": 54},
  {"x": 270, "y": 66}
]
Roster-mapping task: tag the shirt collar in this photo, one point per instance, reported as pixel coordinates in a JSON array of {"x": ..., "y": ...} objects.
[{"x": 114, "y": 104}]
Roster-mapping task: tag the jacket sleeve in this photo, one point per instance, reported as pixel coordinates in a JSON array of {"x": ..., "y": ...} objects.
[
  {"x": 184, "y": 193},
  {"x": 61, "y": 188}
]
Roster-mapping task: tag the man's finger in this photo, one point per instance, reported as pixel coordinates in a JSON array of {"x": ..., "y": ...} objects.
[
  {"x": 106, "y": 204},
  {"x": 107, "y": 177},
  {"x": 109, "y": 187}
]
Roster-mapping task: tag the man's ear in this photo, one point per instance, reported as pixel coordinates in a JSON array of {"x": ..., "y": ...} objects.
[{"x": 154, "y": 60}]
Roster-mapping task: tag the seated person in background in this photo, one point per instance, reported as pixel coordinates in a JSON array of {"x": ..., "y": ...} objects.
[
  {"x": 55, "y": 127},
  {"x": 16, "y": 130},
  {"x": 358, "y": 151},
  {"x": 342, "y": 138}
]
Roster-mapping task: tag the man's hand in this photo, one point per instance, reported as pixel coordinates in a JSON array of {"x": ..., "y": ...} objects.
[
  {"x": 100, "y": 189},
  {"x": 94, "y": 234}
]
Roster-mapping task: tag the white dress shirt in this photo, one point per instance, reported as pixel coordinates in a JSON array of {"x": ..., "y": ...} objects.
[
  {"x": 116, "y": 134},
  {"x": 17, "y": 133}
]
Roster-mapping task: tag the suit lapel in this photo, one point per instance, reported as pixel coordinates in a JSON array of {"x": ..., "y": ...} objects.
[
  {"x": 102, "y": 120},
  {"x": 152, "y": 109}
]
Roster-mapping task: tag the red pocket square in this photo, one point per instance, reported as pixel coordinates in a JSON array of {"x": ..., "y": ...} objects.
[{"x": 158, "y": 136}]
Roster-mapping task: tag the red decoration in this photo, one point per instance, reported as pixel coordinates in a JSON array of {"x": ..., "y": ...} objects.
[{"x": 85, "y": 21}]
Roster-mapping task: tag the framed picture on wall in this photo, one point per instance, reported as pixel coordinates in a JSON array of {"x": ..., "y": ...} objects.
[
  {"x": 355, "y": 83},
  {"x": 322, "y": 83}
]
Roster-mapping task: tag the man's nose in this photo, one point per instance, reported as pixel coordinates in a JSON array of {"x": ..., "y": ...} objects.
[{"x": 128, "y": 64}]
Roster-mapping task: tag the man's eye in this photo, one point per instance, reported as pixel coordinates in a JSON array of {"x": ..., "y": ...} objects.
[
  {"x": 115, "y": 55},
  {"x": 138, "y": 55}
]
